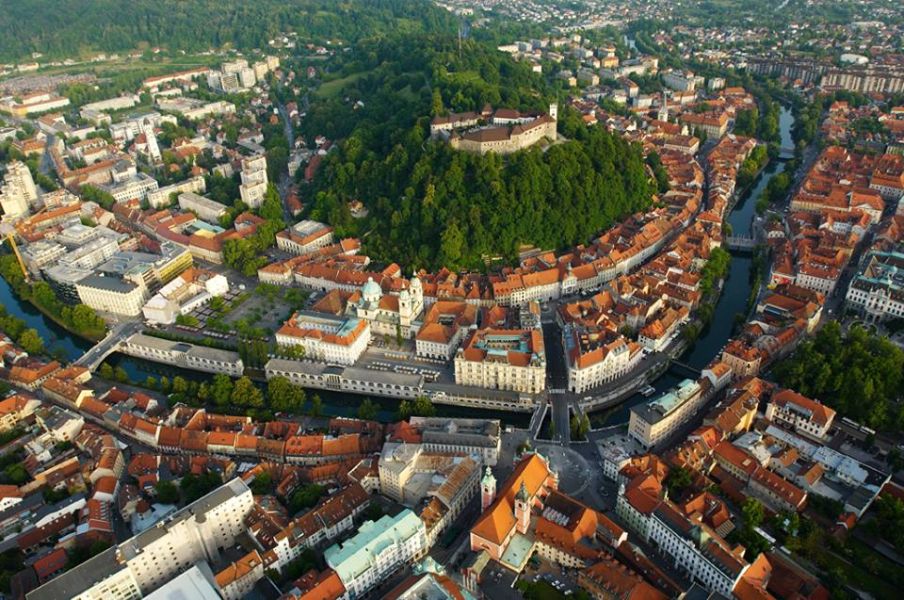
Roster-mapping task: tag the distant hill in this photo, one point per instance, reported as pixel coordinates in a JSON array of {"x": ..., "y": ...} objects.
[{"x": 62, "y": 28}]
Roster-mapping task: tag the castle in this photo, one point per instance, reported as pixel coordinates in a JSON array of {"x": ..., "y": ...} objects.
[{"x": 502, "y": 131}]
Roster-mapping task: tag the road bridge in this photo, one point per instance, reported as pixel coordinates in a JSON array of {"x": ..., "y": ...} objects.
[{"x": 94, "y": 357}]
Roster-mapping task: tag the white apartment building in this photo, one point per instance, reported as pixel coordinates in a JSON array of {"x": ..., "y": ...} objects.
[
  {"x": 802, "y": 414},
  {"x": 503, "y": 359},
  {"x": 206, "y": 209},
  {"x": 703, "y": 559},
  {"x": 682, "y": 81},
  {"x": 129, "y": 128},
  {"x": 254, "y": 180},
  {"x": 594, "y": 360},
  {"x": 141, "y": 564},
  {"x": 434, "y": 343},
  {"x": 818, "y": 279},
  {"x": 335, "y": 340},
  {"x": 41, "y": 254},
  {"x": 194, "y": 109},
  {"x": 33, "y": 103},
  {"x": 305, "y": 237},
  {"x": 112, "y": 295},
  {"x": 376, "y": 551},
  {"x": 690, "y": 546},
  {"x": 138, "y": 186},
  {"x": 653, "y": 422},
  {"x": 93, "y": 251},
  {"x": 117, "y": 103},
  {"x": 161, "y": 197},
  {"x": 19, "y": 191}
]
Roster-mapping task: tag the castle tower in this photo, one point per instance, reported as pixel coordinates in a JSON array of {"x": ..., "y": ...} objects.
[
  {"x": 487, "y": 490},
  {"x": 554, "y": 111},
  {"x": 522, "y": 509}
]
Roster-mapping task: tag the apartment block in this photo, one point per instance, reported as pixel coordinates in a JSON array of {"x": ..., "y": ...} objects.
[
  {"x": 254, "y": 180},
  {"x": 653, "y": 422},
  {"x": 377, "y": 550},
  {"x": 145, "y": 562}
]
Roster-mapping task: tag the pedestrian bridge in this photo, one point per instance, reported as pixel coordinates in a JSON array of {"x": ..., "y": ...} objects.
[
  {"x": 740, "y": 242},
  {"x": 684, "y": 369}
]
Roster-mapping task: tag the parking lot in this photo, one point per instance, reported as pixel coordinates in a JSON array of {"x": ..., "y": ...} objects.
[{"x": 561, "y": 579}]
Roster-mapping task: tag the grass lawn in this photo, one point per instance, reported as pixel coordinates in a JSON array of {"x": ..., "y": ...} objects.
[
  {"x": 540, "y": 590},
  {"x": 462, "y": 77},
  {"x": 331, "y": 89},
  {"x": 861, "y": 579}
]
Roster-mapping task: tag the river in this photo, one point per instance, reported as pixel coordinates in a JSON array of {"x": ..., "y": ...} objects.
[
  {"x": 736, "y": 291},
  {"x": 733, "y": 300}
]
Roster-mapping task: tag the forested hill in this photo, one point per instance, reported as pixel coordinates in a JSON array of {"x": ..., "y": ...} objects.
[
  {"x": 68, "y": 28},
  {"x": 432, "y": 206}
]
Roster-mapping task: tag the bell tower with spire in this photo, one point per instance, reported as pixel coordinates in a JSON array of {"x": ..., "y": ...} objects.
[
  {"x": 664, "y": 109},
  {"x": 522, "y": 509},
  {"x": 487, "y": 490}
]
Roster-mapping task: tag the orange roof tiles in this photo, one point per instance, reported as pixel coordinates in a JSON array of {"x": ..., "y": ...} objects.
[
  {"x": 344, "y": 445},
  {"x": 497, "y": 521},
  {"x": 239, "y": 569},
  {"x": 819, "y": 412}
]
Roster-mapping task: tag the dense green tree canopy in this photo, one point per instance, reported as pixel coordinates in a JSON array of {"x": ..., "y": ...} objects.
[
  {"x": 859, "y": 375},
  {"x": 74, "y": 27},
  {"x": 430, "y": 205}
]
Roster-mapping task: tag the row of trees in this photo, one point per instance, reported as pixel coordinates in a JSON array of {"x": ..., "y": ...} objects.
[
  {"x": 280, "y": 395},
  {"x": 15, "y": 328},
  {"x": 80, "y": 318},
  {"x": 752, "y": 165}
]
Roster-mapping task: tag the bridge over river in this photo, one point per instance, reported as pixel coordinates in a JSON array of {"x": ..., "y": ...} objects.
[{"x": 94, "y": 357}]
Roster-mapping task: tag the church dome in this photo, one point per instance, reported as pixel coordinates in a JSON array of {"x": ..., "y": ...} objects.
[{"x": 371, "y": 290}]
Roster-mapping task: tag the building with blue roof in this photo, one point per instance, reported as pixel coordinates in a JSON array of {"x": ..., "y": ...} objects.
[{"x": 377, "y": 550}]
